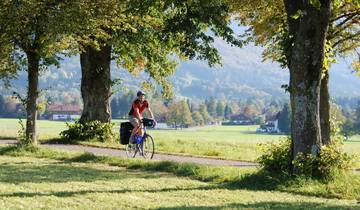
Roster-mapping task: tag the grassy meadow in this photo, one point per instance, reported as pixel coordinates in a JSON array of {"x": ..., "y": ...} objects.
[
  {"x": 227, "y": 142},
  {"x": 48, "y": 179}
]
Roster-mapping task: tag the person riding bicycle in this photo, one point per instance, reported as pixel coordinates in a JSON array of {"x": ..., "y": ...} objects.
[{"x": 138, "y": 106}]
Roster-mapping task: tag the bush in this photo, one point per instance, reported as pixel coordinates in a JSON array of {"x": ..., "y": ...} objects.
[
  {"x": 22, "y": 134},
  {"x": 94, "y": 130},
  {"x": 334, "y": 161},
  {"x": 331, "y": 162},
  {"x": 276, "y": 158}
]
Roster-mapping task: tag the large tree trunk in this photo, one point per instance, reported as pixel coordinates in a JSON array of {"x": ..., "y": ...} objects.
[
  {"x": 32, "y": 94},
  {"x": 305, "y": 61},
  {"x": 325, "y": 110},
  {"x": 96, "y": 84}
]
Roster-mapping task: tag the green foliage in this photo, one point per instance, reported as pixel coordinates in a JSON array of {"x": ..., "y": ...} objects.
[
  {"x": 260, "y": 120},
  {"x": 94, "y": 130},
  {"x": 228, "y": 112},
  {"x": 211, "y": 106},
  {"x": 179, "y": 114},
  {"x": 198, "y": 119},
  {"x": 220, "y": 109},
  {"x": 357, "y": 119},
  {"x": 330, "y": 163},
  {"x": 33, "y": 33},
  {"x": 2, "y": 106},
  {"x": 285, "y": 119},
  {"x": 315, "y": 3},
  {"x": 204, "y": 113},
  {"x": 186, "y": 117},
  {"x": 146, "y": 35},
  {"x": 333, "y": 161},
  {"x": 337, "y": 119},
  {"x": 347, "y": 128},
  {"x": 37, "y": 27},
  {"x": 276, "y": 157},
  {"x": 351, "y": 125},
  {"x": 268, "y": 27},
  {"x": 22, "y": 134}
]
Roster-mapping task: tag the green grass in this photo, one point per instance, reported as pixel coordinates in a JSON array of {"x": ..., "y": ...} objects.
[
  {"x": 47, "y": 129},
  {"x": 227, "y": 142},
  {"x": 46, "y": 179}
]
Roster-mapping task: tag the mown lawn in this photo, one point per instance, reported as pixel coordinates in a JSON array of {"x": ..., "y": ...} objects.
[
  {"x": 228, "y": 142},
  {"x": 44, "y": 179}
]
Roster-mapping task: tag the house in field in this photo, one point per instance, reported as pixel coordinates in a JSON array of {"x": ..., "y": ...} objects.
[
  {"x": 240, "y": 119},
  {"x": 271, "y": 124},
  {"x": 64, "y": 112}
]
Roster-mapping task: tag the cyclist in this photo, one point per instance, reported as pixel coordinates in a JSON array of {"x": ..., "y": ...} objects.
[{"x": 138, "y": 106}]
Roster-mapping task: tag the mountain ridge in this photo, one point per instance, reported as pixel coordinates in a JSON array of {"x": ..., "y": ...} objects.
[{"x": 242, "y": 75}]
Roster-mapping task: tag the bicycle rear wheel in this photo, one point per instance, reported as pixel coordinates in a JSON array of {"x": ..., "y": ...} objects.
[
  {"x": 131, "y": 150},
  {"x": 148, "y": 147}
]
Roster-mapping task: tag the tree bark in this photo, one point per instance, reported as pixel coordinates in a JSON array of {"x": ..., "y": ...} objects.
[
  {"x": 305, "y": 61},
  {"x": 325, "y": 110},
  {"x": 32, "y": 95},
  {"x": 96, "y": 84}
]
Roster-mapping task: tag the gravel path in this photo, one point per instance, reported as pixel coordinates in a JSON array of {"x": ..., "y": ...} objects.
[{"x": 159, "y": 157}]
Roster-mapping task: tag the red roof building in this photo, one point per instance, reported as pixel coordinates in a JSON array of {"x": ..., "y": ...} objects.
[{"x": 64, "y": 111}]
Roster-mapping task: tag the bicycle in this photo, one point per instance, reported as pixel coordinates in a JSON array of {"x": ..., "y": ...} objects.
[{"x": 144, "y": 145}]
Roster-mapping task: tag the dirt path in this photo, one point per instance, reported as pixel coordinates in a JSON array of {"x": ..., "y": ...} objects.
[{"x": 159, "y": 157}]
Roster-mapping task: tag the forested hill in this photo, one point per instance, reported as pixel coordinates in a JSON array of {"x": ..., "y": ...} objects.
[{"x": 242, "y": 75}]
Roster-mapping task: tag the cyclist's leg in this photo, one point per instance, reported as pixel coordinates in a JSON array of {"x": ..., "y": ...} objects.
[
  {"x": 135, "y": 122},
  {"x": 141, "y": 130}
]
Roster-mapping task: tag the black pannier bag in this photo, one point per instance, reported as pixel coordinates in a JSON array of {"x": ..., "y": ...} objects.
[
  {"x": 125, "y": 132},
  {"x": 148, "y": 122}
]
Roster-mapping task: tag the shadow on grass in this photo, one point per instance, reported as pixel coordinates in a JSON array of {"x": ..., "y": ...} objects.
[
  {"x": 86, "y": 157},
  {"x": 8, "y": 138},
  {"x": 345, "y": 187},
  {"x": 262, "y": 134},
  {"x": 83, "y": 192},
  {"x": 268, "y": 205},
  {"x": 65, "y": 171},
  {"x": 57, "y": 173},
  {"x": 8, "y": 150},
  {"x": 255, "y": 181},
  {"x": 260, "y": 180}
]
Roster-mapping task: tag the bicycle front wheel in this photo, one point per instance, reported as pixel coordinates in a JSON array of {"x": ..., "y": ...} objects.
[
  {"x": 131, "y": 150},
  {"x": 148, "y": 147}
]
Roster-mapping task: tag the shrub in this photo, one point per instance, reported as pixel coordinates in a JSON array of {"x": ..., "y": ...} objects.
[
  {"x": 22, "y": 134},
  {"x": 332, "y": 161},
  {"x": 94, "y": 130},
  {"x": 276, "y": 157}
]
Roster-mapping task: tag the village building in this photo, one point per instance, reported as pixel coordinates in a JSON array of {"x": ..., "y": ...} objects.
[
  {"x": 241, "y": 119},
  {"x": 271, "y": 124},
  {"x": 64, "y": 112}
]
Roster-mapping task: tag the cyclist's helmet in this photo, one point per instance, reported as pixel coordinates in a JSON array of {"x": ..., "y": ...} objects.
[{"x": 140, "y": 93}]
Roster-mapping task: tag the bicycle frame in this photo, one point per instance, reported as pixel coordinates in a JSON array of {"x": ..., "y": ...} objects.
[
  {"x": 140, "y": 140},
  {"x": 141, "y": 145}
]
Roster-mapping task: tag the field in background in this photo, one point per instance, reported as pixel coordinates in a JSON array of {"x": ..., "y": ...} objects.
[{"x": 229, "y": 142}]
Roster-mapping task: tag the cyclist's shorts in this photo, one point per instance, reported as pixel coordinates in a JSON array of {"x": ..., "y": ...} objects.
[{"x": 133, "y": 120}]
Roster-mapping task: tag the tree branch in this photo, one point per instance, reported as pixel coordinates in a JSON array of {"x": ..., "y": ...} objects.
[
  {"x": 355, "y": 12},
  {"x": 341, "y": 27},
  {"x": 346, "y": 39}
]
